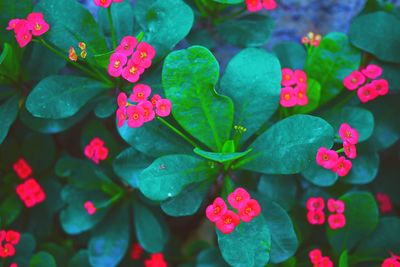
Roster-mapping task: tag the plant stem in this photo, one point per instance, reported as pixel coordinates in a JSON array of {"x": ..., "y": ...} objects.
[
  {"x": 340, "y": 150},
  {"x": 177, "y": 131},
  {"x": 110, "y": 19},
  {"x": 140, "y": 36}
]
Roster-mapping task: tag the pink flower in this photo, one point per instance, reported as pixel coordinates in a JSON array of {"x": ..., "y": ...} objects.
[
  {"x": 140, "y": 92},
  {"x": 249, "y": 210},
  {"x": 288, "y": 97},
  {"x": 342, "y": 167},
  {"x": 269, "y": 4},
  {"x": 96, "y": 151},
  {"x": 12, "y": 24},
  {"x": 301, "y": 76},
  {"x": 144, "y": 55},
  {"x": 372, "y": 71},
  {"x": 316, "y": 217},
  {"x": 254, "y": 5},
  {"x": 23, "y": 37},
  {"x": 37, "y": 23},
  {"x": 354, "y": 80},
  {"x": 7, "y": 250},
  {"x": 238, "y": 197},
  {"x": 148, "y": 111},
  {"x": 325, "y": 262},
  {"x": 135, "y": 116},
  {"x": 122, "y": 99},
  {"x": 13, "y": 265},
  {"x": 127, "y": 45},
  {"x": 326, "y": 158},
  {"x": 228, "y": 221},
  {"x": 136, "y": 252},
  {"x": 22, "y": 24},
  {"x": 288, "y": 77},
  {"x": 336, "y": 221},
  {"x": 156, "y": 260},
  {"x": 215, "y": 211},
  {"x": 367, "y": 93},
  {"x": 390, "y": 262},
  {"x": 132, "y": 72},
  {"x": 348, "y": 134},
  {"x": 103, "y": 3},
  {"x": 117, "y": 62},
  {"x": 300, "y": 91},
  {"x": 13, "y": 237},
  {"x": 335, "y": 205},
  {"x": 381, "y": 86},
  {"x": 163, "y": 107},
  {"x": 96, "y": 142},
  {"x": 315, "y": 204},
  {"x": 315, "y": 255},
  {"x": 385, "y": 204},
  {"x": 90, "y": 207},
  {"x": 350, "y": 150},
  {"x": 121, "y": 116},
  {"x": 154, "y": 99}
]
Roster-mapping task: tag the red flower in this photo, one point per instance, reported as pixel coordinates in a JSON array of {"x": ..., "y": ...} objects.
[
  {"x": 254, "y": 5},
  {"x": 316, "y": 217},
  {"x": 144, "y": 55},
  {"x": 325, "y": 262},
  {"x": 122, "y": 99},
  {"x": 335, "y": 205},
  {"x": 381, "y": 86},
  {"x": 301, "y": 76},
  {"x": 135, "y": 116},
  {"x": 300, "y": 91},
  {"x": 288, "y": 77},
  {"x": 228, "y": 221},
  {"x": 367, "y": 93},
  {"x": 154, "y": 100},
  {"x": 103, "y": 3},
  {"x": 350, "y": 150},
  {"x": 315, "y": 256},
  {"x": 13, "y": 237},
  {"x": 90, "y": 207},
  {"x": 7, "y": 250},
  {"x": 156, "y": 260},
  {"x": 315, "y": 204},
  {"x": 385, "y": 204},
  {"x": 336, "y": 221},
  {"x": 249, "y": 210},
  {"x": 136, "y": 252},
  {"x": 390, "y": 262},
  {"x": 342, "y": 167},
  {"x": 354, "y": 80},
  {"x": 372, "y": 71},
  {"x": 30, "y": 192},
  {"x": 238, "y": 197},
  {"x": 326, "y": 158},
  {"x": 269, "y": 4},
  {"x": 140, "y": 92},
  {"x": 117, "y": 63},
  {"x": 348, "y": 134},
  {"x": 37, "y": 23},
  {"x": 96, "y": 151},
  {"x": 22, "y": 168},
  {"x": 132, "y": 72},
  {"x": 288, "y": 97},
  {"x": 121, "y": 116},
  {"x": 13, "y": 265},
  {"x": 163, "y": 107},
  {"x": 215, "y": 211},
  {"x": 148, "y": 111},
  {"x": 127, "y": 45}
]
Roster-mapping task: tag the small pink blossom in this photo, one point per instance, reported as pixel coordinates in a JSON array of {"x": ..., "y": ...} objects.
[
  {"x": 372, "y": 71},
  {"x": 122, "y": 99},
  {"x": 315, "y": 204},
  {"x": 301, "y": 76},
  {"x": 367, "y": 93},
  {"x": 288, "y": 77},
  {"x": 254, "y": 5},
  {"x": 354, "y": 80},
  {"x": 163, "y": 107},
  {"x": 135, "y": 116},
  {"x": 381, "y": 86},
  {"x": 121, "y": 116},
  {"x": 342, "y": 167},
  {"x": 103, "y": 3},
  {"x": 228, "y": 222},
  {"x": 154, "y": 99},
  {"x": 336, "y": 221},
  {"x": 326, "y": 158},
  {"x": 350, "y": 150},
  {"x": 117, "y": 63},
  {"x": 140, "y": 92},
  {"x": 23, "y": 37},
  {"x": 269, "y": 4},
  {"x": 385, "y": 204},
  {"x": 325, "y": 262},
  {"x": 12, "y": 24},
  {"x": 335, "y": 205},
  {"x": 127, "y": 45},
  {"x": 288, "y": 97},
  {"x": 148, "y": 111},
  {"x": 144, "y": 55},
  {"x": 300, "y": 91},
  {"x": 132, "y": 72},
  {"x": 315, "y": 256},
  {"x": 215, "y": 211},
  {"x": 316, "y": 217},
  {"x": 96, "y": 151},
  {"x": 37, "y": 23},
  {"x": 348, "y": 134},
  {"x": 390, "y": 262},
  {"x": 249, "y": 210},
  {"x": 90, "y": 207},
  {"x": 238, "y": 197}
]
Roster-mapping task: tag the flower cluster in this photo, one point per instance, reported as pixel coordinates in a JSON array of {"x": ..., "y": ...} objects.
[
  {"x": 136, "y": 252},
  {"x": 22, "y": 168},
  {"x": 156, "y": 260},
  {"x": 90, "y": 207},
  {"x": 318, "y": 260},
  {"x": 106, "y": 3},
  {"x": 257, "y": 5},
  {"x": 72, "y": 55},
  {"x": 311, "y": 39},
  {"x": 294, "y": 90},
  {"x": 96, "y": 151},
  {"x": 385, "y": 204},
  {"x": 225, "y": 219},
  {"x": 329, "y": 159},
  {"x": 393, "y": 261},
  {"x": 145, "y": 110},
  {"x": 372, "y": 87},
  {"x": 10, "y": 238},
  {"x": 131, "y": 68},
  {"x": 34, "y": 25},
  {"x": 316, "y": 215}
]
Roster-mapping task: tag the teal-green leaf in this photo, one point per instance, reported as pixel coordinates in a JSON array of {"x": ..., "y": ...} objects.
[
  {"x": 220, "y": 157},
  {"x": 247, "y": 31},
  {"x": 168, "y": 175},
  {"x": 39, "y": 150},
  {"x": 110, "y": 239},
  {"x": 59, "y": 97},
  {"x": 343, "y": 259},
  {"x": 80, "y": 259},
  {"x": 360, "y": 119},
  {"x": 361, "y": 219},
  {"x": 42, "y": 259},
  {"x": 314, "y": 96},
  {"x": 364, "y": 170},
  {"x": 291, "y": 55},
  {"x": 25, "y": 249},
  {"x": 70, "y": 22},
  {"x": 289, "y": 146},
  {"x": 164, "y": 22},
  {"x": 106, "y": 107},
  {"x": 189, "y": 77},
  {"x": 390, "y": 72},
  {"x": 249, "y": 245},
  {"x": 210, "y": 257},
  {"x": 151, "y": 230},
  {"x": 8, "y": 114},
  {"x": 319, "y": 176},
  {"x": 10, "y": 209},
  {"x": 281, "y": 189},
  {"x": 377, "y": 33},
  {"x": 331, "y": 62},
  {"x": 252, "y": 72}
]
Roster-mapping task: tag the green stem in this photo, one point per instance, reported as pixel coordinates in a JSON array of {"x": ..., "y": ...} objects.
[
  {"x": 110, "y": 19},
  {"x": 139, "y": 37},
  {"x": 340, "y": 150},
  {"x": 177, "y": 131}
]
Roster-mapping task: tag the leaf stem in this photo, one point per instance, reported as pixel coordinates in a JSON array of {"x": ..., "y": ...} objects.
[
  {"x": 110, "y": 20},
  {"x": 170, "y": 126}
]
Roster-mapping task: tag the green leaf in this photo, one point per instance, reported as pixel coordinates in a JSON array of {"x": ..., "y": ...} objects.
[
  {"x": 201, "y": 37},
  {"x": 343, "y": 260},
  {"x": 10, "y": 209},
  {"x": 359, "y": 118},
  {"x": 106, "y": 107},
  {"x": 168, "y": 175},
  {"x": 8, "y": 114},
  {"x": 189, "y": 77},
  {"x": 25, "y": 249},
  {"x": 39, "y": 150},
  {"x": 70, "y": 23},
  {"x": 188, "y": 201},
  {"x": 361, "y": 219},
  {"x": 164, "y": 22},
  {"x": 9, "y": 62},
  {"x": 103, "y": 60},
  {"x": 364, "y": 170},
  {"x": 110, "y": 239},
  {"x": 129, "y": 164},
  {"x": 281, "y": 189},
  {"x": 220, "y": 157},
  {"x": 391, "y": 74},
  {"x": 210, "y": 257},
  {"x": 248, "y": 31},
  {"x": 42, "y": 259},
  {"x": 150, "y": 228},
  {"x": 331, "y": 62},
  {"x": 59, "y": 97},
  {"x": 253, "y": 80},
  {"x": 319, "y": 176},
  {"x": 80, "y": 259},
  {"x": 377, "y": 33},
  {"x": 289, "y": 146},
  {"x": 154, "y": 139},
  {"x": 291, "y": 55},
  {"x": 314, "y": 96},
  {"x": 249, "y": 245}
]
